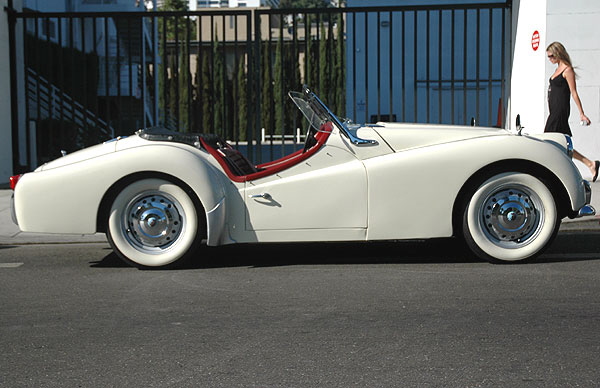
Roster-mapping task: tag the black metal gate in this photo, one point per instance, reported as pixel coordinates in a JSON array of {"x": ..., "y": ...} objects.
[{"x": 89, "y": 77}]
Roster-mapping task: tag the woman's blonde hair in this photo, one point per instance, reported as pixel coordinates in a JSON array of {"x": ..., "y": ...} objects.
[{"x": 560, "y": 52}]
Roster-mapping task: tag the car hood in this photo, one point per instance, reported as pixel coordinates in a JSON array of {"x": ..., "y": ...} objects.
[{"x": 402, "y": 136}]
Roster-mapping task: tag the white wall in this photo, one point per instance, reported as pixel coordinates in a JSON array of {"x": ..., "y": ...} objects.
[
  {"x": 527, "y": 79},
  {"x": 575, "y": 24}
]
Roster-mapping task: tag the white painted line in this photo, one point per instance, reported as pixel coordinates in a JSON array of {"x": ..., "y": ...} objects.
[{"x": 10, "y": 265}]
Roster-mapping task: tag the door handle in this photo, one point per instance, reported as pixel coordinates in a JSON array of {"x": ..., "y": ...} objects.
[{"x": 262, "y": 195}]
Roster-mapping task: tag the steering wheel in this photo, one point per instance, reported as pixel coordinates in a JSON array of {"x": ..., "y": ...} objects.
[{"x": 310, "y": 139}]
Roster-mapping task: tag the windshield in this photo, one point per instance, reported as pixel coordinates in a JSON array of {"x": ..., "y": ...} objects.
[
  {"x": 317, "y": 113},
  {"x": 314, "y": 113}
]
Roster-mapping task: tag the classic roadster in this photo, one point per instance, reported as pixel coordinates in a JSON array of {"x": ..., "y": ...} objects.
[{"x": 158, "y": 195}]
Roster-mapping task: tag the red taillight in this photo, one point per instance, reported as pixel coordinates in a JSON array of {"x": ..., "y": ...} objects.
[{"x": 14, "y": 180}]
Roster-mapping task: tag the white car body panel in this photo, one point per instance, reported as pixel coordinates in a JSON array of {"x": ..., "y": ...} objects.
[{"x": 403, "y": 192}]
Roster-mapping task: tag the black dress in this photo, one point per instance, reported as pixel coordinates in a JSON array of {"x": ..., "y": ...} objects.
[{"x": 559, "y": 105}]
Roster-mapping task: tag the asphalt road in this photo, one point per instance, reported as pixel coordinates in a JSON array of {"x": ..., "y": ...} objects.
[{"x": 318, "y": 315}]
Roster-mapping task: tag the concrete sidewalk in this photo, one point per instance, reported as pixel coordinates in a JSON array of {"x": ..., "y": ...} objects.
[{"x": 11, "y": 235}]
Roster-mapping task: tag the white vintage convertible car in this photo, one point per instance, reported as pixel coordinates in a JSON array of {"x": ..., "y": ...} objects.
[{"x": 159, "y": 195}]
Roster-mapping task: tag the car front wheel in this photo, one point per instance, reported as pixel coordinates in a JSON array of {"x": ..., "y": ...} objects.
[
  {"x": 153, "y": 223},
  {"x": 510, "y": 217}
]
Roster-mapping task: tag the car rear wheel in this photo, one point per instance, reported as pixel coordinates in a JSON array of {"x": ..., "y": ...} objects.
[
  {"x": 153, "y": 223},
  {"x": 510, "y": 217}
]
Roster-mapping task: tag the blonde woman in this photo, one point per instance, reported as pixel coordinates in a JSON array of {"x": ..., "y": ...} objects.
[{"x": 562, "y": 87}]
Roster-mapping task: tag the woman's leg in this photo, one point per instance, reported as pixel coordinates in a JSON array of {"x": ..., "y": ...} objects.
[{"x": 592, "y": 165}]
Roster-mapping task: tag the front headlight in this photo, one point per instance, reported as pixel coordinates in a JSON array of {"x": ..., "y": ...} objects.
[{"x": 569, "y": 146}]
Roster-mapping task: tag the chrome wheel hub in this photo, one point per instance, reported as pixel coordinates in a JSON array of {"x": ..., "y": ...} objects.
[
  {"x": 153, "y": 221},
  {"x": 510, "y": 215}
]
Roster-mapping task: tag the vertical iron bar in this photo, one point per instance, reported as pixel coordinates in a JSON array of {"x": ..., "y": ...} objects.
[
  {"x": 37, "y": 87},
  {"x": 201, "y": 52},
  {"x": 212, "y": 70},
  {"x": 143, "y": 71},
  {"x": 294, "y": 66},
  {"x": 14, "y": 97},
  {"x": 416, "y": 53},
  {"x": 465, "y": 67},
  {"x": 106, "y": 71},
  {"x": 390, "y": 65},
  {"x": 490, "y": 59},
  {"x": 452, "y": 59},
  {"x": 13, "y": 81},
  {"x": 61, "y": 78},
  {"x": 366, "y": 56},
  {"x": 403, "y": 81},
  {"x": 175, "y": 75},
  {"x": 224, "y": 115},
  {"x": 189, "y": 77},
  {"x": 440, "y": 61},
  {"x": 155, "y": 59},
  {"x": 119, "y": 108},
  {"x": 354, "y": 66},
  {"x": 130, "y": 94},
  {"x": 234, "y": 85},
  {"x": 165, "y": 75},
  {"x": 427, "y": 64},
  {"x": 378, "y": 38},
  {"x": 50, "y": 76},
  {"x": 503, "y": 50},
  {"x": 257, "y": 87},
  {"x": 95, "y": 51},
  {"x": 477, "y": 65}
]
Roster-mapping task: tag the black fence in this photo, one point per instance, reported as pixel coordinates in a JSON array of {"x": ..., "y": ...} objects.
[{"x": 89, "y": 77}]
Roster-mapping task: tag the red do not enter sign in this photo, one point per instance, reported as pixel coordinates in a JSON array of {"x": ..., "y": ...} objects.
[{"x": 535, "y": 40}]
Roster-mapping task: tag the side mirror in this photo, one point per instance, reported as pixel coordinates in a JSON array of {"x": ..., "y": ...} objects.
[{"x": 518, "y": 125}]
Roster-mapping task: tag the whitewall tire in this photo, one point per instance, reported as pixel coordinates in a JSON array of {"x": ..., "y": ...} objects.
[
  {"x": 510, "y": 217},
  {"x": 153, "y": 223}
]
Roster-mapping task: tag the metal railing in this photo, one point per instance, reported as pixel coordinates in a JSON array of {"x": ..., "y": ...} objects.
[{"x": 228, "y": 71}]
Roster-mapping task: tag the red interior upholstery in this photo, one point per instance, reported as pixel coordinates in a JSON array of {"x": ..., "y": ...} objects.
[{"x": 239, "y": 169}]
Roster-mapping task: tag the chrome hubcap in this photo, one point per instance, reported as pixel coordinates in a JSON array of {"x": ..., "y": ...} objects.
[
  {"x": 153, "y": 221},
  {"x": 510, "y": 215}
]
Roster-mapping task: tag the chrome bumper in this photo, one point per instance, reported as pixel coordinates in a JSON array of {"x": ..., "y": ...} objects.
[
  {"x": 587, "y": 210},
  {"x": 13, "y": 213}
]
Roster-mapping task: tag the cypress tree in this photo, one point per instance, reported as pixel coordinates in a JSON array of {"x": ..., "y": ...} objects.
[
  {"x": 278, "y": 88},
  {"x": 173, "y": 95},
  {"x": 266, "y": 103},
  {"x": 242, "y": 101},
  {"x": 219, "y": 89},
  {"x": 206, "y": 97},
  {"x": 184, "y": 86},
  {"x": 323, "y": 65},
  {"x": 314, "y": 63},
  {"x": 163, "y": 85},
  {"x": 340, "y": 69}
]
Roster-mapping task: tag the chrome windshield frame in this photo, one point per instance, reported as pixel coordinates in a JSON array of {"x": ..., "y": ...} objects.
[{"x": 311, "y": 98}]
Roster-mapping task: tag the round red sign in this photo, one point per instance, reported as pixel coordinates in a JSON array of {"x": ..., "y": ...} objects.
[{"x": 535, "y": 40}]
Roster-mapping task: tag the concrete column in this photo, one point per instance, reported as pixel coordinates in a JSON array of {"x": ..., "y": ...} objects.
[
  {"x": 6, "y": 166},
  {"x": 528, "y": 78}
]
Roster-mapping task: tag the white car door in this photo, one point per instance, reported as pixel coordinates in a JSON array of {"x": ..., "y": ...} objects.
[{"x": 326, "y": 191}]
